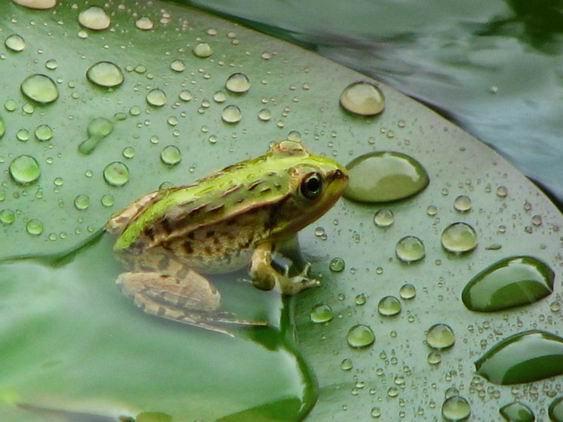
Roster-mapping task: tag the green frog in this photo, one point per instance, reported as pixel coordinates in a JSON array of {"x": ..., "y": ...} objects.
[{"x": 170, "y": 239}]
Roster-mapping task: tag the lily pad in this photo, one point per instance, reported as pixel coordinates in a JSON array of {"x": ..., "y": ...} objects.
[{"x": 72, "y": 343}]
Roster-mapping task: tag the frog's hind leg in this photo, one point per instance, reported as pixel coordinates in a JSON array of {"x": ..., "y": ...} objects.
[{"x": 190, "y": 299}]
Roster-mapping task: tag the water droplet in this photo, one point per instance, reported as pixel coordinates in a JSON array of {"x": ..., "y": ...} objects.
[
  {"x": 231, "y": 114},
  {"x": 15, "y": 43},
  {"x": 321, "y": 313},
  {"x": 144, "y": 23},
  {"x": 37, "y": 4},
  {"x": 459, "y": 238},
  {"x": 59, "y": 181},
  {"x": 219, "y": 97},
  {"x": 22, "y": 135},
  {"x": 410, "y": 249},
  {"x": 360, "y": 299},
  {"x": 128, "y": 152},
  {"x": 34, "y": 227},
  {"x": 94, "y": 18},
  {"x": 51, "y": 64},
  {"x": 337, "y": 264},
  {"x": 510, "y": 282},
  {"x": 40, "y": 88},
  {"x": 407, "y": 291},
  {"x": 517, "y": 412},
  {"x": 44, "y": 133},
  {"x": 362, "y": 98},
  {"x": 171, "y": 155},
  {"x": 156, "y": 97},
  {"x": 82, "y": 202},
  {"x": 455, "y": 409},
  {"x": 203, "y": 50},
  {"x": 375, "y": 412},
  {"x": 264, "y": 115},
  {"x": 7, "y": 217},
  {"x": 24, "y": 169},
  {"x": 389, "y": 306},
  {"x": 521, "y": 358},
  {"x": 537, "y": 220},
  {"x": 502, "y": 191},
  {"x": 10, "y": 105},
  {"x": 294, "y": 135},
  {"x": 384, "y": 218},
  {"x": 462, "y": 203},
  {"x": 116, "y": 174},
  {"x": 105, "y": 74},
  {"x": 178, "y": 66},
  {"x": 2, "y": 127},
  {"x": 385, "y": 176},
  {"x": 186, "y": 96},
  {"x": 431, "y": 210},
  {"x": 440, "y": 336},
  {"x": 238, "y": 83},
  {"x": 98, "y": 129},
  {"x": 360, "y": 336},
  {"x": 555, "y": 410},
  {"x": 107, "y": 200},
  {"x": 434, "y": 358},
  {"x": 346, "y": 364}
]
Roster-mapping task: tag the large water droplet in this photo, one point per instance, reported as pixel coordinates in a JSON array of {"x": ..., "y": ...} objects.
[
  {"x": 410, "y": 249},
  {"x": 238, "y": 83},
  {"x": 24, "y": 169},
  {"x": 456, "y": 408},
  {"x": 40, "y": 88},
  {"x": 524, "y": 357},
  {"x": 384, "y": 176},
  {"x": 510, "y": 282},
  {"x": 116, "y": 174},
  {"x": 360, "y": 336},
  {"x": 171, "y": 155},
  {"x": 37, "y": 4},
  {"x": 440, "y": 336},
  {"x": 15, "y": 43},
  {"x": 321, "y": 313},
  {"x": 517, "y": 412},
  {"x": 459, "y": 238},
  {"x": 105, "y": 74},
  {"x": 98, "y": 129},
  {"x": 156, "y": 97},
  {"x": 362, "y": 98},
  {"x": 94, "y": 18},
  {"x": 231, "y": 114},
  {"x": 389, "y": 306},
  {"x": 555, "y": 410}
]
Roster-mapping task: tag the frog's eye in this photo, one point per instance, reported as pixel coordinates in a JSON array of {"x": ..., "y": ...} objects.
[{"x": 312, "y": 185}]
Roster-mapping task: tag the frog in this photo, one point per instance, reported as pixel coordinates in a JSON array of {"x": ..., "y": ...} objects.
[{"x": 172, "y": 240}]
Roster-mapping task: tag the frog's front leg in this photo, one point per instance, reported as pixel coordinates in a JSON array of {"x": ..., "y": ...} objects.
[
  {"x": 189, "y": 299},
  {"x": 265, "y": 277}
]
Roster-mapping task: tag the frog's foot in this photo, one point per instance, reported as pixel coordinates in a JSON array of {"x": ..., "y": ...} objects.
[
  {"x": 265, "y": 277},
  {"x": 191, "y": 300}
]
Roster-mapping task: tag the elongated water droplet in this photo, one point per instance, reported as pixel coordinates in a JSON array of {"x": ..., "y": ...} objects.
[
  {"x": 116, "y": 174},
  {"x": 40, "y": 88},
  {"x": 384, "y": 176},
  {"x": 455, "y": 409},
  {"x": 362, "y": 98},
  {"x": 37, "y": 4},
  {"x": 98, "y": 129},
  {"x": 44, "y": 133},
  {"x": 25, "y": 169},
  {"x": 459, "y": 238},
  {"x": 389, "y": 306},
  {"x": 238, "y": 83},
  {"x": 15, "y": 43},
  {"x": 360, "y": 336},
  {"x": 440, "y": 336},
  {"x": 410, "y": 249},
  {"x": 156, "y": 97},
  {"x": 34, "y": 227},
  {"x": 105, "y": 74},
  {"x": 384, "y": 218},
  {"x": 171, "y": 155},
  {"x": 510, "y": 282},
  {"x": 94, "y": 18},
  {"x": 231, "y": 114},
  {"x": 144, "y": 23},
  {"x": 524, "y": 357},
  {"x": 517, "y": 412},
  {"x": 321, "y": 313}
]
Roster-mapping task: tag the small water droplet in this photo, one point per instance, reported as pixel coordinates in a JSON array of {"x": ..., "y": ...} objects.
[
  {"x": 128, "y": 152},
  {"x": 362, "y": 98},
  {"x": 15, "y": 43},
  {"x": 264, "y": 115},
  {"x": 389, "y": 306},
  {"x": 107, "y": 200},
  {"x": 462, "y": 203},
  {"x": 431, "y": 210},
  {"x": 410, "y": 249},
  {"x": 502, "y": 191},
  {"x": 537, "y": 220},
  {"x": 22, "y": 135},
  {"x": 94, "y": 18},
  {"x": 105, "y": 74},
  {"x": 178, "y": 66},
  {"x": 156, "y": 97},
  {"x": 440, "y": 336},
  {"x": 231, "y": 114},
  {"x": 407, "y": 291},
  {"x": 321, "y": 313},
  {"x": 171, "y": 155},
  {"x": 384, "y": 218},
  {"x": 337, "y": 264},
  {"x": 7, "y": 217},
  {"x": 51, "y": 64},
  {"x": 459, "y": 238},
  {"x": 24, "y": 170},
  {"x": 346, "y": 364},
  {"x": 434, "y": 358},
  {"x": 40, "y": 88},
  {"x": 456, "y": 409},
  {"x": 44, "y": 133},
  {"x": 375, "y": 412},
  {"x": 238, "y": 83},
  {"x": 82, "y": 202},
  {"x": 203, "y": 50},
  {"x": 360, "y": 299},
  {"x": 360, "y": 336},
  {"x": 34, "y": 227},
  {"x": 144, "y": 23},
  {"x": 219, "y": 97},
  {"x": 185, "y": 96},
  {"x": 116, "y": 174}
]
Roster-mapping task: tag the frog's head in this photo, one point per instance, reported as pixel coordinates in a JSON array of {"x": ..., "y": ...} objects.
[{"x": 315, "y": 184}]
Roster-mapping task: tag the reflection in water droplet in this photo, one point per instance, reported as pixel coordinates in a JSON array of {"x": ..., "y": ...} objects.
[
  {"x": 510, "y": 282},
  {"x": 231, "y": 114},
  {"x": 15, "y": 43},
  {"x": 321, "y": 313},
  {"x": 105, "y": 74},
  {"x": 144, "y": 23},
  {"x": 455, "y": 409},
  {"x": 24, "y": 169},
  {"x": 44, "y": 133},
  {"x": 94, "y": 18},
  {"x": 362, "y": 98},
  {"x": 34, "y": 227},
  {"x": 337, "y": 264},
  {"x": 410, "y": 249},
  {"x": 459, "y": 238},
  {"x": 384, "y": 176},
  {"x": 462, "y": 203},
  {"x": 407, "y": 291},
  {"x": 7, "y": 217},
  {"x": 171, "y": 155},
  {"x": 360, "y": 336},
  {"x": 238, "y": 83},
  {"x": 37, "y": 4},
  {"x": 82, "y": 202},
  {"x": 555, "y": 410},
  {"x": 116, "y": 174},
  {"x": 384, "y": 218},
  {"x": 517, "y": 412},
  {"x": 203, "y": 50},
  {"x": 389, "y": 306},
  {"x": 156, "y": 97},
  {"x": 440, "y": 336},
  {"x": 40, "y": 88}
]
